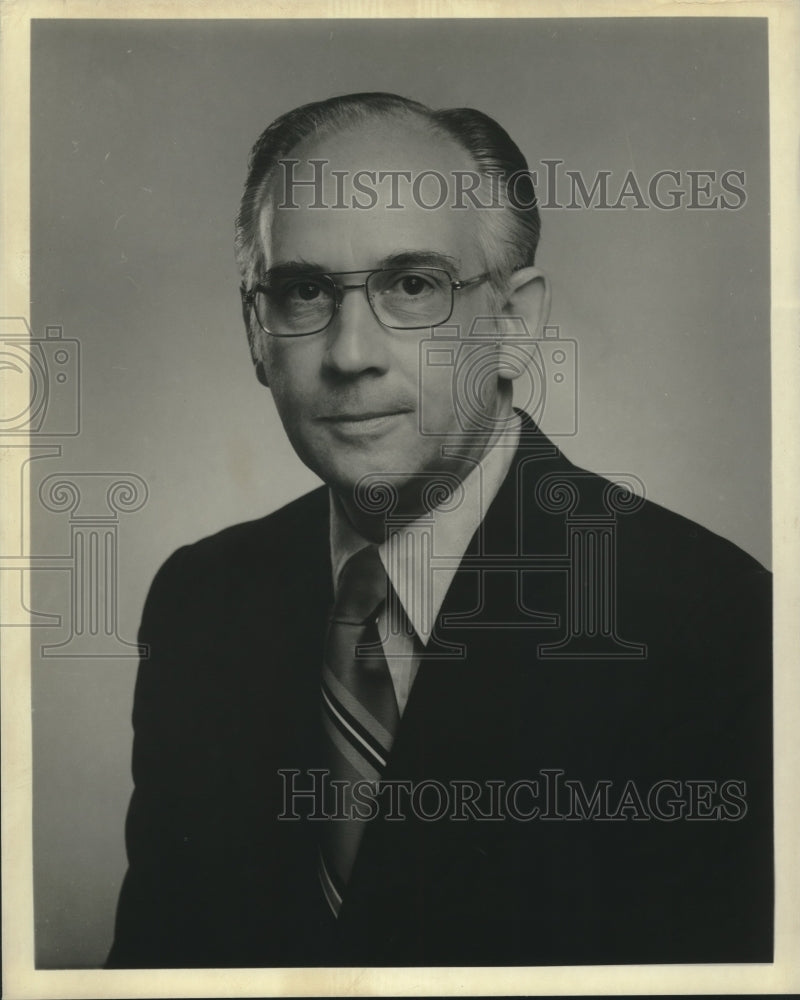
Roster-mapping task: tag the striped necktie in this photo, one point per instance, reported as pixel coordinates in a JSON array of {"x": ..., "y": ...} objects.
[{"x": 359, "y": 712}]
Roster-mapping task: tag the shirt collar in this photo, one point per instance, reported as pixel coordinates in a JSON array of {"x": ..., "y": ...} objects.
[{"x": 449, "y": 530}]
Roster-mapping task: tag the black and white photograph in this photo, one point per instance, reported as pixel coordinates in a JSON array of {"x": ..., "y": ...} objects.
[{"x": 395, "y": 445}]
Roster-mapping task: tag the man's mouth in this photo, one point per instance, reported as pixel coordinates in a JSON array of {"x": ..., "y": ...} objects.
[
  {"x": 356, "y": 415},
  {"x": 363, "y": 421}
]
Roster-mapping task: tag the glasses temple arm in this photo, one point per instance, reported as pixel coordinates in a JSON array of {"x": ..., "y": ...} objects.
[{"x": 477, "y": 280}]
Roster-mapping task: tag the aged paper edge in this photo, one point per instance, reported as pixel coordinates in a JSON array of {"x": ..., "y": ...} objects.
[{"x": 20, "y": 979}]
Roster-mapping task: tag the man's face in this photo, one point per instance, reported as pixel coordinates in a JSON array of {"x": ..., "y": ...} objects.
[{"x": 351, "y": 397}]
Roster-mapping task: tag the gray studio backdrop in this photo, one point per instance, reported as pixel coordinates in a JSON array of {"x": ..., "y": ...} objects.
[{"x": 140, "y": 133}]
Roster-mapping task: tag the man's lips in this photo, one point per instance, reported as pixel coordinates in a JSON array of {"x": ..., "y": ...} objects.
[
  {"x": 361, "y": 415},
  {"x": 361, "y": 425}
]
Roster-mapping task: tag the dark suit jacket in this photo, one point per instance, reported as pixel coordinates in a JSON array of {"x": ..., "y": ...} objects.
[{"x": 230, "y": 695}]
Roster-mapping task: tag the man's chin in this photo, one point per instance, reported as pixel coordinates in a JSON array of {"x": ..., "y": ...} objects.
[
  {"x": 371, "y": 490},
  {"x": 387, "y": 481}
]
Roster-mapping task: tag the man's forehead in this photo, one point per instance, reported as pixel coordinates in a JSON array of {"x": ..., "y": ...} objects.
[
  {"x": 375, "y": 144},
  {"x": 365, "y": 193}
]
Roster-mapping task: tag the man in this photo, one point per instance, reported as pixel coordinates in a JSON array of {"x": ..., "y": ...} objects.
[{"x": 465, "y": 704}]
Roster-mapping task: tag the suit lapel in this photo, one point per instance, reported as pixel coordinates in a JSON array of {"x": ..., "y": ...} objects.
[{"x": 484, "y": 612}]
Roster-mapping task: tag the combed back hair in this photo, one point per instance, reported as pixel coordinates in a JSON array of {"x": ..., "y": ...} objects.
[{"x": 509, "y": 235}]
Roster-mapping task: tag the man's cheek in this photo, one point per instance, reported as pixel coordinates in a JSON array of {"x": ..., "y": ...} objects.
[
  {"x": 437, "y": 398},
  {"x": 292, "y": 397}
]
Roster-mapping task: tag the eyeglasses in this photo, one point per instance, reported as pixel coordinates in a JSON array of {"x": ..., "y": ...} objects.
[{"x": 400, "y": 298}]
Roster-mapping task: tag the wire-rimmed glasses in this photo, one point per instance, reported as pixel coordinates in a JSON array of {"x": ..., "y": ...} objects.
[{"x": 297, "y": 305}]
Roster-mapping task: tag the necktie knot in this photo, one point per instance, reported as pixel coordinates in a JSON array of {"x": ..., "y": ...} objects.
[{"x": 362, "y": 587}]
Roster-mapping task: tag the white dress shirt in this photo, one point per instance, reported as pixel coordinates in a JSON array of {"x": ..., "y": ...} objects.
[{"x": 420, "y": 586}]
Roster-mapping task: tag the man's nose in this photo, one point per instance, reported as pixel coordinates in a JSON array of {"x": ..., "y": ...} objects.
[{"x": 356, "y": 341}]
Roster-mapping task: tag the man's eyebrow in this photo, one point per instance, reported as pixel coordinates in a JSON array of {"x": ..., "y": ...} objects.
[
  {"x": 422, "y": 258},
  {"x": 288, "y": 268},
  {"x": 402, "y": 258}
]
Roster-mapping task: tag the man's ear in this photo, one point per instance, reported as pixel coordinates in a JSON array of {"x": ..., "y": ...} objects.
[
  {"x": 253, "y": 337},
  {"x": 528, "y": 296}
]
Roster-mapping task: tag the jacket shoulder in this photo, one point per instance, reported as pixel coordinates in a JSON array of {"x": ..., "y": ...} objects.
[
  {"x": 551, "y": 485},
  {"x": 297, "y": 527},
  {"x": 240, "y": 561}
]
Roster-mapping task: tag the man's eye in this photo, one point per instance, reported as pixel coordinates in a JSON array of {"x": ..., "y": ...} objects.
[
  {"x": 307, "y": 291},
  {"x": 413, "y": 284}
]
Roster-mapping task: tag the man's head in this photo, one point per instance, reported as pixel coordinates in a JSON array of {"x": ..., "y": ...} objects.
[{"x": 440, "y": 205}]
